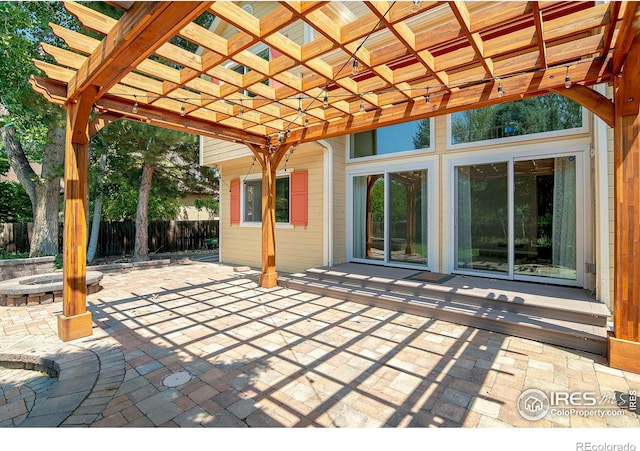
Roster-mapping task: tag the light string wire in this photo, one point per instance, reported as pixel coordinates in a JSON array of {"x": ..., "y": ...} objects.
[
  {"x": 431, "y": 89},
  {"x": 352, "y": 57}
]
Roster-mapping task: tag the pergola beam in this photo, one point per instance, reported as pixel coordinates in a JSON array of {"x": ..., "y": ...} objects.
[
  {"x": 136, "y": 36},
  {"x": 591, "y": 100}
]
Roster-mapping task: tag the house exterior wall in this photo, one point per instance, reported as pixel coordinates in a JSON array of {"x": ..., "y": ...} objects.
[
  {"x": 188, "y": 211},
  {"x": 326, "y": 239},
  {"x": 297, "y": 247}
]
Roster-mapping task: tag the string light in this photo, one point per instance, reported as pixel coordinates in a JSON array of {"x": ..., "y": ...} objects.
[
  {"x": 325, "y": 100},
  {"x": 362, "y": 109},
  {"x": 415, "y": 6},
  {"x": 354, "y": 69},
  {"x": 300, "y": 112}
]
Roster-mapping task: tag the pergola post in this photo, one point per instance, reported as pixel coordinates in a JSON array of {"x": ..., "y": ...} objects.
[
  {"x": 75, "y": 320},
  {"x": 269, "y": 160},
  {"x": 269, "y": 275},
  {"x": 624, "y": 343}
]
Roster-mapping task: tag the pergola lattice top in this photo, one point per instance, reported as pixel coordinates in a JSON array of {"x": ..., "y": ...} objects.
[{"x": 454, "y": 53}]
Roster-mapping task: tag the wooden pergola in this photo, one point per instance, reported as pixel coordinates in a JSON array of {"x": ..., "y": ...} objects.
[{"x": 385, "y": 63}]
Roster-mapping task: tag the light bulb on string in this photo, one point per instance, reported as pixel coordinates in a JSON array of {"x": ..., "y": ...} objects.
[
  {"x": 415, "y": 6},
  {"x": 354, "y": 69},
  {"x": 135, "y": 105},
  {"x": 567, "y": 80},
  {"x": 241, "y": 110},
  {"x": 361, "y": 106},
  {"x": 427, "y": 98},
  {"x": 325, "y": 101},
  {"x": 182, "y": 110},
  {"x": 500, "y": 90}
]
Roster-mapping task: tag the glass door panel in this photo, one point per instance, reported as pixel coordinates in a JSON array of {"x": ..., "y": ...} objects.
[
  {"x": 482, "y": 218},
  {"x": 408, "y": 217},
  {"x": 368, "y": 217},
  {"x": 545, "y": 218}
]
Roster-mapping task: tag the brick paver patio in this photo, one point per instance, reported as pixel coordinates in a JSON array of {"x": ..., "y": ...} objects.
[{"x": 282, "y": 358}]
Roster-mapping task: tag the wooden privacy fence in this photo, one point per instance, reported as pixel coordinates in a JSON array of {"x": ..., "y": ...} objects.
[{"x": 118, "y": 238}]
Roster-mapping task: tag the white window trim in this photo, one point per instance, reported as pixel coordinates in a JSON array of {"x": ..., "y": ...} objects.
[
  {"x": 405, "y": 153},
  {"x": 583, "y": 199},
  {"x": 258, "y": 224},
  {"x": 433, "y": 225},
  {"x": 520, "y": 138}
]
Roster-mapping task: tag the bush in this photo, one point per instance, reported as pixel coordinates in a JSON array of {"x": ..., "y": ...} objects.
[{"x": 6, "y": 255}]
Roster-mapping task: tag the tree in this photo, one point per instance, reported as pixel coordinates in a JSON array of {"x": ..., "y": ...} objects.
[
  {"x": 532, "y": 115},
  {"x": 148, "y": 170},
  {"x": 32, "y": 129},
  {"x": 422, "y": 137}
]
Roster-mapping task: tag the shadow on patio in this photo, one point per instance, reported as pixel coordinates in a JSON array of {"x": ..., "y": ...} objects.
[{"x": 283, "y": 358}]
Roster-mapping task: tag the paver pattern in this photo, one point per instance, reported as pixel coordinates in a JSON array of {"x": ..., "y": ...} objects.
[{"x": 282, "y": 358}]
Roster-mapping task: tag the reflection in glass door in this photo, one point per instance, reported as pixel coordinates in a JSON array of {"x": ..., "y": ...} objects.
[
  {"x": 368, "y": 217},
  {"x": 532, "y": 236},
  {"x": 545, "y": 218},
  {"x": 408, "y": 217},
  {"x": 482, "y": 218},
  {"x": 390, "y": 217}
]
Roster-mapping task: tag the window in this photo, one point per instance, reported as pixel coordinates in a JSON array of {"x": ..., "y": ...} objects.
[
  {"x": 547, "y": 113},
  {"x": 392, "y": 139},
  {"x": 253, "y": 200},
  {"x": 291, "y": 200}
]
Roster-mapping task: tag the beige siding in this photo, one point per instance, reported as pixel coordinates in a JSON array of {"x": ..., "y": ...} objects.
[
  {"x": 297, "y": 248},
  {"x": 338, "y": 182},
  {"x": 215, "y": 151},
  {"x": 189, "y": 212}
]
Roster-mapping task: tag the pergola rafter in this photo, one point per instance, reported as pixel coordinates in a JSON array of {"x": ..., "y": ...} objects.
[
  {"x": 403, "y": 52},
  {"x": 252, "y": 78}
]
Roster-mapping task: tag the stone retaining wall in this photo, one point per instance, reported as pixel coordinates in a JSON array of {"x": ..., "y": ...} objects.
[
  {"x": 20, "y": 267},
  {"x": 17, "y": 292}
]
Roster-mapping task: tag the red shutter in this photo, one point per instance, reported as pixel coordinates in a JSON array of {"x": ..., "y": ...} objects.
[
  {"x": 299, "y": 198},
  {"x": 234, "y": 202}
]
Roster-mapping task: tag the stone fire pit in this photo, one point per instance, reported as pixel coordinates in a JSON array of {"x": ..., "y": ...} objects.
[{"x": 40, "y": 289}]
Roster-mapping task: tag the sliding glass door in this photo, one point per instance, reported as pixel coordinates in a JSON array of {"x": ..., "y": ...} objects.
[
  {"x": 519, "y": 219},
  {"x": 545, "y": 218},
  {"x": 482, "y": 217},
  {"x": 390, "y": 217}
]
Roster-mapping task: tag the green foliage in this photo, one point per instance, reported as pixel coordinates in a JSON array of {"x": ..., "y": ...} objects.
[
  {"x": 57, "y": 263},
  {"x": 129, "y": 145},
  {"x": 6, "y": 255},
  {"x": 528, "y": 116},
  {"x": 25, "y": 26},
  {"x": 422, "y": 138},
  {"x": 207, "y": 203},
  {"x": 15, "y": 205}
]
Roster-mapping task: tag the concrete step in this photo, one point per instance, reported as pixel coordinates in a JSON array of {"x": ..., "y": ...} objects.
[
  {"x": 495, "y": 317},
  {"x": 553, "y": 302}
]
